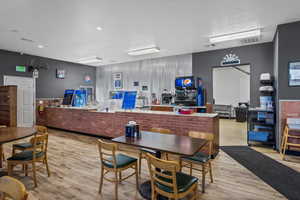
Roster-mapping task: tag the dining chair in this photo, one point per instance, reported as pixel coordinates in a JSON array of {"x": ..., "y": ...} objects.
[
  {"x": 200, "y": 158},
  {"x": 115, "y": 163},
  {"x": 27, "y": 145},
  {"x": 291, "y": 134},
  {"x": 168, "y": 181},
  {"x": 12, "y": 188},
  {"x": 143, "y": 151},
  {"x": 38, "y": 153},
  {"x": 2, "y": 156}
]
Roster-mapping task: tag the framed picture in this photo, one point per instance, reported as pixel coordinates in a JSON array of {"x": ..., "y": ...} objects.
[
  {"x": 117, "y": 80},
  {"x": 294, "y": 73},
  {"x": 60, "y": 73}
]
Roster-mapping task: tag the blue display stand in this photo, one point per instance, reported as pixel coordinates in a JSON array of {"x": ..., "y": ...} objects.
[
  {"x": 79, "y": 98},
  {"x": 129, "y": 100}
]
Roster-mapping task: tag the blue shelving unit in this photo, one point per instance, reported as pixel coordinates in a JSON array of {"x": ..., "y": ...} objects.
[{"x": 261, "y": 122}]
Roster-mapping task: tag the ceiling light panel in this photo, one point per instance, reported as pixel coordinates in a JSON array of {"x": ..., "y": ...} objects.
[
  {"x": 143, "y": 51},
  {"x": 235, "y": 36},
  {"x": 90, "y": 60}
]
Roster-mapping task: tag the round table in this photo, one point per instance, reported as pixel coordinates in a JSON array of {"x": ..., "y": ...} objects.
[{"x": 10, "y": 134}]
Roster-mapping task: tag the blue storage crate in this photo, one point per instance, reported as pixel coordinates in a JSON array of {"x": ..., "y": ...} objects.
[{"x": 258, "y": 136}]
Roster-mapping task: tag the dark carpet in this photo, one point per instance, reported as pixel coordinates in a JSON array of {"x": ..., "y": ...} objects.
[{"x": 280, "y": 177}]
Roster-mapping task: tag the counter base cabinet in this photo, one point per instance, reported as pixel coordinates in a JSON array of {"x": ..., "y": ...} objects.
[{"x": 113, "y": 124}]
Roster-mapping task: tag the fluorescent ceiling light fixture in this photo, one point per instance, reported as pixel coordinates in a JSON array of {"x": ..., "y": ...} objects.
[
  {"x": 235, "y": 36},
  {"x": 90, "y": 60},
  {"x": 143, "y": 51},
  {"x": 40, "y": 46},
  {"x": 98, "y": 28}
]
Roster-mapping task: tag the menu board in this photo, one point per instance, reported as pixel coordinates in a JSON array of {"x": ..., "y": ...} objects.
[{"x": 294, "y": 74}]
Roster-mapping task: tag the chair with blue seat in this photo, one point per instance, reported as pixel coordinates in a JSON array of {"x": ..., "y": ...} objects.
[
  {"x": 31, "y": 156},
  {"x": 28, "y": 145},
  {"x": 200, "y": 158},
  {"x": 143, "y": 151},
  {"x": 168, "y": 181},
  {"x": 111, "y": 161}
]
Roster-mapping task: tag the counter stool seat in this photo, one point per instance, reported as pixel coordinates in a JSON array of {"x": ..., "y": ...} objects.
[{"x": 121, "y": 161}]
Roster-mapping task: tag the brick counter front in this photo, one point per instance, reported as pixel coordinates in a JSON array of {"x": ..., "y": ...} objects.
[{"x": 112, "y": 124}]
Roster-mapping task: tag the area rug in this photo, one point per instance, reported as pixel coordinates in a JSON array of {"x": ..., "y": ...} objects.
[{"x": 280, "y": 177}]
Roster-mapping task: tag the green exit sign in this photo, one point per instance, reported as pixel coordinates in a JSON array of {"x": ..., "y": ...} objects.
[{"x": 20, "y": 68}]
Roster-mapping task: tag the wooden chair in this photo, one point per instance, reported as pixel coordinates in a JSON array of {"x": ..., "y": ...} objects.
[
  {"x": 290, "y": 134},
  {"x": 115, "y": 163},
  {"x": 2, "y": 156},
  {"x": 166, "y": 180},
  {"x": 143, "y": 151},
  {"x": 38, "y": 153},
  {"x": 28, "y": 145},
  {"x": 200, "y": 158},
  {"x": 12, "y": 188}
]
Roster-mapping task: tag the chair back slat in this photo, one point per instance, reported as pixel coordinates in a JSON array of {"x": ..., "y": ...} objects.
[
  {"x": 13, "y": 188},
  {"x": 167, "y": 174},
  {"x": 161, "y": 130},
  {"x": 41, "y": 129},
  {"x": 107, "y": 152},
  {"x": 40, "y": 144},
  {"x": 205, "y": 136}
]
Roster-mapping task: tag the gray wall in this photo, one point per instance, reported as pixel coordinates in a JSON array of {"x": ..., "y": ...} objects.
[
  {"x": 259, "y": 56},
  {"x": 159, "y": 73},
  {"x": 47, "y": 85},
  {"x": 288, "y": 50}
]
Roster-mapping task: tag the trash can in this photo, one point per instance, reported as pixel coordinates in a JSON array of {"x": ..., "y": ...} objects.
[{"x": 241, "y": 114}]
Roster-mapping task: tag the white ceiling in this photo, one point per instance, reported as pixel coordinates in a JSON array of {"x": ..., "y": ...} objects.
[{"x": 68, "y": 27}]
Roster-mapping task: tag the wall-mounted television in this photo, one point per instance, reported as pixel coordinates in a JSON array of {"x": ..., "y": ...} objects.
[
  {"x": 294, "y": 74},
  {"x": 187, "y": 82}
]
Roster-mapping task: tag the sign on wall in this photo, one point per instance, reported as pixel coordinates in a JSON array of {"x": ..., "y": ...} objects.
[
  {"x": 117, "y": 80},
  {"x": 230, "y": 59}
]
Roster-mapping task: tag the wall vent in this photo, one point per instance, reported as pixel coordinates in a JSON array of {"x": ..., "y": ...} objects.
[{"x": 250, "y": 40}]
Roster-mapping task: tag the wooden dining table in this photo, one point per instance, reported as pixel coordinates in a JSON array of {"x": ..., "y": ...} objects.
[
  {"x": 170, "y": 143},
  {"x": 10, "y": 134}
]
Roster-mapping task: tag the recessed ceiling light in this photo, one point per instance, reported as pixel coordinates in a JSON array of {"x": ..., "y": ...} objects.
[
  {"x": 98, "y": 28},
  {"x": 40, "y": 46},
  {"x": 235, "y": 36},
  {"x": 143, "y": 51}
]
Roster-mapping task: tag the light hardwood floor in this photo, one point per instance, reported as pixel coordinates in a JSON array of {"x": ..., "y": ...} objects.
[{"x": 74, "y": 163}]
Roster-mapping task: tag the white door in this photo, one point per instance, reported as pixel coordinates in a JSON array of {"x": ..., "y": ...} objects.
[{"x": 25, "y": 99}]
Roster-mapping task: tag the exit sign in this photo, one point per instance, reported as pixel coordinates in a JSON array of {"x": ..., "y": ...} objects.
[{"x": 20, "y": 68}]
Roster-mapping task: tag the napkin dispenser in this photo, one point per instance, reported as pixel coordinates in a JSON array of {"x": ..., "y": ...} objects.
[{"x": 132, "y": 129}]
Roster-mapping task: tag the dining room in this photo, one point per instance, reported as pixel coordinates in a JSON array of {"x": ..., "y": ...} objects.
[{"x": 105, "y": 100}]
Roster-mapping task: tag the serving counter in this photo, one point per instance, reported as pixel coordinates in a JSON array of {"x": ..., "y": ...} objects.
[{"x": 112, "y": 124}]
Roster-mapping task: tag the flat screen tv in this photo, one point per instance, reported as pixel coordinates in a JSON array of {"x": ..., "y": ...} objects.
[{"x": 185, "y": 82}]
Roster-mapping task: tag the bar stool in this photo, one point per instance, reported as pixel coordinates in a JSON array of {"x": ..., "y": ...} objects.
[{"x": 291, "y": 135}]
